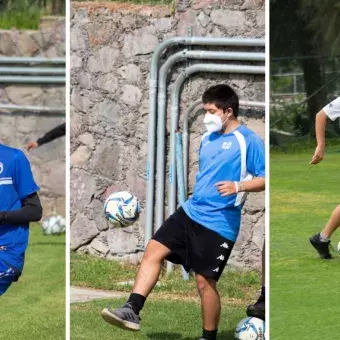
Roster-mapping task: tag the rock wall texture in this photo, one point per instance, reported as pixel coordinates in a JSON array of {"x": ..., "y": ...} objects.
[
  {"x": 111, "y": 50},
  {"x": 17, "y": 128}
]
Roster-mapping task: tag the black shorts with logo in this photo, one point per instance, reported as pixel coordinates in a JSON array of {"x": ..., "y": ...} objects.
[{"x": 194, "y": 246}]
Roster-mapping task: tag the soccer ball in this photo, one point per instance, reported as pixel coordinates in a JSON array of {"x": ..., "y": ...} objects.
[
  {"x": 250, "y": 329},
  {"x": 54, "y": 225},
  {"x": 122, "y": 208},
  {"x": 339, "y": 248}
]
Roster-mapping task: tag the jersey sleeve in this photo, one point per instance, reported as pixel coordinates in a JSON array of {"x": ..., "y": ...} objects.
[
  {"x": 256, "y": 159},
  {"x": 23, "y": 178},
  {"x": 57, "y": 132},
  {"x": 332, "y": 110}
]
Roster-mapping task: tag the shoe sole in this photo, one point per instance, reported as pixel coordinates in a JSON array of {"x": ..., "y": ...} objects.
[
  {"x": 118, "y": 322},
  {"x": 325, "y": 257}
]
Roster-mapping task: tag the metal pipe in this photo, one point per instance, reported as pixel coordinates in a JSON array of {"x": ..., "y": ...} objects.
[
  {"x": 31, "y": 60},
  {"x": 180, "y": 176},
  {"x": 186, "y": 132},
  {"x": 150, "y": 169},
  {"x": 161, "y": 110},
  {"x": 32, "y": 108},
  {"x": 31, "y": 70},
  {"x": 31, "y": 80},
  {"x": 186, "y": 140}
]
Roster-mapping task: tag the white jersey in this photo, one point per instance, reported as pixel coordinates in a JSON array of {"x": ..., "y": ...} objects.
[{"x": 332, "y": 110}]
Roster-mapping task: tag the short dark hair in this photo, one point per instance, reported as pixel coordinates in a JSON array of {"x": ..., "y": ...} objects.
[{"x": 223, "y": 96}]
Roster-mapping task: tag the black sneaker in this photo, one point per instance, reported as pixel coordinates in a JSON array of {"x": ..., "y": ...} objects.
[
  {"x": 321, "y": 247},
  {"x": 123, "y": 317},
  {"x": 257, "y": 310}
]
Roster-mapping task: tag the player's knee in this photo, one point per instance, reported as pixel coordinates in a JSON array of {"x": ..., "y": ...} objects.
[
  {"x": 204, "y": 284},
  {"x": 153, "y": 252}
]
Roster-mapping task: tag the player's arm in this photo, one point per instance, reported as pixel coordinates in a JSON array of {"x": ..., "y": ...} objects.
[
  {"x": 57, "y": 132},
  {"x": 31, "y": 211},
  {"x": 255, "y": 164},
  {"x": 256, "y": 184},
  {"x": 226, "y": 188},
  {"x": 320, "y": 131}
]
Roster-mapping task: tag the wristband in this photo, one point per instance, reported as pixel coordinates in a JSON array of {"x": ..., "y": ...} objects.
[{"x": 236, "y": 186}]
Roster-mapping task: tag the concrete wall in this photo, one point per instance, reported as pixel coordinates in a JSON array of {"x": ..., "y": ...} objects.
[
  {"x": 17, "y": 128},
  {"x": 111, "y": 49}
]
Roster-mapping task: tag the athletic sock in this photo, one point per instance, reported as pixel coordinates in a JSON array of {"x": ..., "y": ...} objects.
[
  {"x": 209, "y": 335},
  {"x": 263, "y": 291},
  {"x": 323, "y": 238},
  {"x": 137, "y": 302}
]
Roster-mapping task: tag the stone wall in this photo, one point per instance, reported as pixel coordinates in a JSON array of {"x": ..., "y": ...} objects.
[
  {"x": 111, "y": 49},
  {"x": 17, "y": 128}
]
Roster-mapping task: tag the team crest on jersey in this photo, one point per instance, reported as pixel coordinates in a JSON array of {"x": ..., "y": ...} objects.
[
  {"x": 226, "y": 145},
  {"x": 1, "y": 168}
]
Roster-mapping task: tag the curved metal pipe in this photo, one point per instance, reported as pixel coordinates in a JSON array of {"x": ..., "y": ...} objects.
[
  {"x": 161, "y": 109},
  {"x": 211, "y": 68},
  {"x": 150, "y": 169},
  {"x": 185, "y": 136}
]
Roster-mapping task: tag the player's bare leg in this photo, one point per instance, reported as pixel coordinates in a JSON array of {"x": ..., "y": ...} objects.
[
  {"x": 211, "y": 306},
  {"x": 332, "y": 224}
]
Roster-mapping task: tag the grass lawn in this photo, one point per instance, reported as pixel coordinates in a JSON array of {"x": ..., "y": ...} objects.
[
  {"x": 171, "y": 312},
  {"x": 305, "y": 293},
  {"x": 34, "y": 307},
  {"x": 161, "y": 320},
  {"x": 25, "y": 19}
]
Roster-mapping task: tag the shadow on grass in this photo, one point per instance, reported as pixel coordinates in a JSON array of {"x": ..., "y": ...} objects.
[{"x": 225, "y": 335}]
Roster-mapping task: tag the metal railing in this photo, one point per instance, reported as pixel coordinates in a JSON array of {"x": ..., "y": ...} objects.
[{"x": 32, "y": 70}]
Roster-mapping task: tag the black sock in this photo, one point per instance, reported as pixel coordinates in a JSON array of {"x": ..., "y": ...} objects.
[
  {"x": 263, "y": 292},
  {"x": 137, "y": 302},
  {"x": 209, "y": 335}
]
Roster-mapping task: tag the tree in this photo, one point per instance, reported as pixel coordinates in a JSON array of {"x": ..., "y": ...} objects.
[
  {"x": 292, "y": 35},
  {"x": 325, "y": 24}
]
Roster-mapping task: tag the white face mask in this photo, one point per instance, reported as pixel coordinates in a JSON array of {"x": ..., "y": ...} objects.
[{"x": 213, "y": 122}]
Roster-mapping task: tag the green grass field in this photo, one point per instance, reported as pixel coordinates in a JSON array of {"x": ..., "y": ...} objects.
[
  {"x": 305, "y": 293},
  {"x": 34, "y": 307},
  {"x": 172, "y": 311}
]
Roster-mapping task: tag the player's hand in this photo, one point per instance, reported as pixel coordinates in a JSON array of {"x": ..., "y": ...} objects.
[
  {"x": 318, "y": 154},
  {"x": 32, "y": 146},
  {"x": 226, "y": 188}
]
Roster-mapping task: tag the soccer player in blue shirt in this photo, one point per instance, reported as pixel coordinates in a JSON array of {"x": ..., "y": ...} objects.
[
  {"x": 201, "y": 234},
  {"x": 19, "y": 205}
]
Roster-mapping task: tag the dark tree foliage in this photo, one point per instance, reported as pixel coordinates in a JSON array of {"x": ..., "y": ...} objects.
[{"x": 307, "y": 30}]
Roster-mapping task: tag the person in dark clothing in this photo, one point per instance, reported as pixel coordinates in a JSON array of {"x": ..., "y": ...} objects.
[{"x": 57, "y": 132}]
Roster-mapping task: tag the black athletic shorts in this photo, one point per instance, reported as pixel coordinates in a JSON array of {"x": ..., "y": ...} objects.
[{"x": 194, "y": 246}]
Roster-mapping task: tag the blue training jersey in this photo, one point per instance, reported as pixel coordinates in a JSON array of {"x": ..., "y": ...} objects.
[
  {"x": 16, "y": 183},
  {"x": 236, "y": 156}
]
